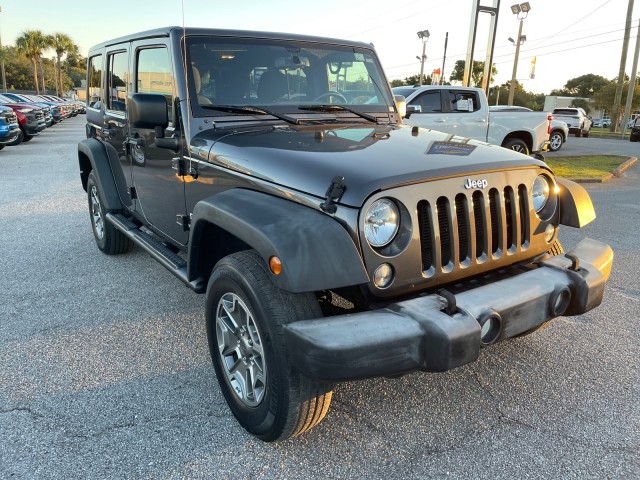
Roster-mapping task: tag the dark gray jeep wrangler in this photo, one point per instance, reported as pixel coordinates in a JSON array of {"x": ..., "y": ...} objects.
[{"x": 272, "y": 173}]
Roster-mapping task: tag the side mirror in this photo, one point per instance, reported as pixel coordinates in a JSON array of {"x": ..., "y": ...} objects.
[
  {"x": 413, "y": 109},
  {"x": 147, "y": 110},
  {"x": 401, "y": 103}
]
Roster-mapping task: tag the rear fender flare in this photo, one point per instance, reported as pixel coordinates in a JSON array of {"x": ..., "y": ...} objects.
[{"x": 316, "y": 251}]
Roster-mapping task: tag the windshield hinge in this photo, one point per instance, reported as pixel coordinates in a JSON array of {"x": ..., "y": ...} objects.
[{"x": 334, "y": 192}]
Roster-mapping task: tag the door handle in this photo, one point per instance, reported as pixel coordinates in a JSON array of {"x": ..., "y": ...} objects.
[{"x": 440, "y": 120}]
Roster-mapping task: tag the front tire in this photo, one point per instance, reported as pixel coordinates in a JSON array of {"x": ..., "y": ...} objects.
[
  {"x": 516, "y": 145},
  {"x": 245, "y": 318},
  {"x": 25, "y": 136},
  {"x": 556, "y": 139},
  {"x": 108, "y": 238}
]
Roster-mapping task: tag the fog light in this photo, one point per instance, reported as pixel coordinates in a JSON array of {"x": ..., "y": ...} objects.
[
  {"x": 383, "y": 276},
  {"x": 549, "y": 233},
  {"x": 490, "y": 327},
  {"x": 560, "y": 302}
]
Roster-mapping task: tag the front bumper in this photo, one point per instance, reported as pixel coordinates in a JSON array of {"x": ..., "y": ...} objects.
[
  {"x": 34, "y": 127},
  {"x": 9, "y": 135},
  {"x": 417, "y": 334}
]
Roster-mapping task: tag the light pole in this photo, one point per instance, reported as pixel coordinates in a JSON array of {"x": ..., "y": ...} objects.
[
  {"x": 517, "y": 10},
  {"x": 424, "y": 36}
]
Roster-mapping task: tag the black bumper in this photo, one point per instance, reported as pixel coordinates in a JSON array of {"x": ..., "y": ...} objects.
[
  {"x": 417, "y": 334},
  {"x": 34, "y": 128}
]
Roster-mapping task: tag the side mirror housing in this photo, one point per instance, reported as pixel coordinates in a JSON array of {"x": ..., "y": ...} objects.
[
  {"x": 413, "y": 109},
  {"x": 147, "y": 110}
]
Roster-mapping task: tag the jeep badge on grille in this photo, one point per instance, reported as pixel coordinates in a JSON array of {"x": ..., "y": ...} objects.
[{"x": 482, "y": 183}]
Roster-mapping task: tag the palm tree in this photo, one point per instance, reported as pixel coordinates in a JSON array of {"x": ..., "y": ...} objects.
[
  {"x": 32, "y": 43},
  {"x": 62, "y": 44}
]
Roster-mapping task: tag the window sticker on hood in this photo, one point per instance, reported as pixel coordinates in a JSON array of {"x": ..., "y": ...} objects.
[{"x": 450, "y": 148}]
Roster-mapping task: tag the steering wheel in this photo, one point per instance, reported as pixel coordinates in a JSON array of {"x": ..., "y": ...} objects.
[{"x": 329, "y": 95}]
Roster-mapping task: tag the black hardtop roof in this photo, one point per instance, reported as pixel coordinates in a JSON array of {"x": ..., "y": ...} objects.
[{"x": 175, "y": 30}]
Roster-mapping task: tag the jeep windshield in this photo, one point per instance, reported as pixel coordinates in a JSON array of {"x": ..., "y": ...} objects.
[{"x": 232, "y": 77}]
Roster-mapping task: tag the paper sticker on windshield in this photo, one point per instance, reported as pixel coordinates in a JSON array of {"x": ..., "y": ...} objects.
[{"x": 450, "y": 148}]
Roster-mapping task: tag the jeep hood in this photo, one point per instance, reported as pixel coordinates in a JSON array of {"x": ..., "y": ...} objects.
[{"x": 370, "y": 159}]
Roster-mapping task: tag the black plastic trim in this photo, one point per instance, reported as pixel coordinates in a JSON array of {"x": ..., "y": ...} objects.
[{"x": 317, "y": 253}]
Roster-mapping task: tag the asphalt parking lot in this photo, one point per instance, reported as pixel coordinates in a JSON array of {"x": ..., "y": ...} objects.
[{"x": 105, "y": 371}]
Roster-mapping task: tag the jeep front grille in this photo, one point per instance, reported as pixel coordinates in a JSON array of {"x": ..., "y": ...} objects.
[
  {"x": 472, "y": 227},
  {"x": 450, "y": 233}
]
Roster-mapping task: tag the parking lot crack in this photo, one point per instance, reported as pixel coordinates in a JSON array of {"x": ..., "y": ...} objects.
[{"x": 28, "y": 410}]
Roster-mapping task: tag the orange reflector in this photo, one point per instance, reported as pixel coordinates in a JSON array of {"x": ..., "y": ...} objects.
[{"x": 275, "y": 265}]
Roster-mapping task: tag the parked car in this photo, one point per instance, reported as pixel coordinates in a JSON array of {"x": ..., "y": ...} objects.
[
  {"x": 31, "y": 118},
  {"x": 331, "y": 241},
  {"x": 635, "y": 130},
  {"x": 48, "y": 110},
  {"x": 559, "y": 129},
  {"x": 577, "y": 120},
  {"x": 9, "y": 128},
  {"x": 601, "y": 123},
  {"x": 465, "y": 111}
]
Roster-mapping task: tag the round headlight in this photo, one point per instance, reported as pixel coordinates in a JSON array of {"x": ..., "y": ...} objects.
[
  {"x": 381, "y": 222},
  {"x": 540, "y": 192}
]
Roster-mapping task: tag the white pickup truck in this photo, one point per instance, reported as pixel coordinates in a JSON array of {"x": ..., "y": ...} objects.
[{"x": 464, "y": 111}]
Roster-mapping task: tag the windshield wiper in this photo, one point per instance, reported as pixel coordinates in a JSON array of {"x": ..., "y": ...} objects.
[
  {"x": 333, "y": 107},
  {"x": 251, "y": 109}
]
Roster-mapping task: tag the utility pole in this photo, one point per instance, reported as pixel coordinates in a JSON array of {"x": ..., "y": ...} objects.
[
  {"x": 632, "y": 85},
  {"x": 615, "y": 111},
  {"x": 444, "y": 57}
]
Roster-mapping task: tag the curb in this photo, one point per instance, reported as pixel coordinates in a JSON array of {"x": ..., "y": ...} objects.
[{"x": 616, "y": 173}]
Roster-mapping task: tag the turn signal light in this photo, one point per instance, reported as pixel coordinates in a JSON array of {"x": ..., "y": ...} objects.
[{"x": 275, "y": 265}]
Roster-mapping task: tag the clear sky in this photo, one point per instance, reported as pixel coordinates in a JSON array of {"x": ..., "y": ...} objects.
[{"x": 569, "y": 37}]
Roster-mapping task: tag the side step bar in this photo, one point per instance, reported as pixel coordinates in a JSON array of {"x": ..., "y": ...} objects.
[{"x": 168, "y": 259}]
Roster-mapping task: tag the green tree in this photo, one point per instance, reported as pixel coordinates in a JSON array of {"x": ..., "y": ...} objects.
[
  {"x": 476, "y": 74},
  {"x": 605, "y": 99},
  {"x": 585, "y": 85},
  {"x": 412, "y": 80},
  {"x": 581, "y": 103},
  {"x": 32, "y": 43},
  {"x": 18, "y": 69},
  {"x": 62, "y": 44}
]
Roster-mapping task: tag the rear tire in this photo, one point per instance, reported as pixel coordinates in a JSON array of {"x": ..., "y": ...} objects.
[
  {"x": 108, "y": 238},
  {"x": 245, "y": 318},
  {"x": 516, "y": 145},
  {"x": 556, "y": 139}
]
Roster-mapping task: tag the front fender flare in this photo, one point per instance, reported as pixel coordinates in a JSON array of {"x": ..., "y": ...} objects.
[
  {"x": 316, "y": 251},
  {"x": 94, "y": 156}
]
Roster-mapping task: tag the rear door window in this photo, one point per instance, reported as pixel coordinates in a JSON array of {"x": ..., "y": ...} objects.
[{"x": 117, "y": 78}]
